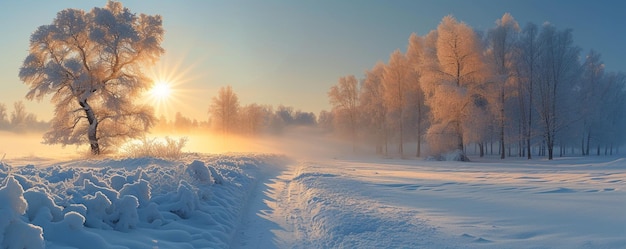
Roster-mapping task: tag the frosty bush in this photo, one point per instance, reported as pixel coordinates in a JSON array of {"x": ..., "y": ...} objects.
[{"x": 166, "y": 148}]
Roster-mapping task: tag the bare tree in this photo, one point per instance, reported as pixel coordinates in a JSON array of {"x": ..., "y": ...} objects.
[
  {"x": 224, "y": 109},
  {"x": 344, "y": 97},
  {"x": 91, "y": 63}
]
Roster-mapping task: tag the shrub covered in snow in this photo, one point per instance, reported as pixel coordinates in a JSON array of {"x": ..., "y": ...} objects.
[
  {"x": 82, "y": 206},
  {"x": 14, "y": 232},
  {"x": 167, "y": 148},
  {"x": 456, "y": 155}
]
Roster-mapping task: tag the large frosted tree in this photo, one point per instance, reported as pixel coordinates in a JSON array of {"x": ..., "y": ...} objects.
[
  {"x": 92, "y": 64},
  {"x": 453, "y": 84}
]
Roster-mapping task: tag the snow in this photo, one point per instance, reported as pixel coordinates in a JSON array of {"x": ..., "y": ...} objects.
[{"x": 270, "y": 201}]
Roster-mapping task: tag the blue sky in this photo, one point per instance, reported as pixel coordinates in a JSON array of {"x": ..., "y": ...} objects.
[{"x": 291, "y": 52}]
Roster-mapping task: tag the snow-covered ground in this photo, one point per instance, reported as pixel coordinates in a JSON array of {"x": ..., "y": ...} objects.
[
  {"x": 565, "y": 203},
  {"x": 268, "y": 201}
]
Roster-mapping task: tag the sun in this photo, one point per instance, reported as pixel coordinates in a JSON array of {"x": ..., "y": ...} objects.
[{"x": 161, "y": 90}]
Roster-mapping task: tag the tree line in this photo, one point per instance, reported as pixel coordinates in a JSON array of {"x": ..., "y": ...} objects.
[
  {"x": 228, "y": 117},
  {"x": 523, "y": 88}
]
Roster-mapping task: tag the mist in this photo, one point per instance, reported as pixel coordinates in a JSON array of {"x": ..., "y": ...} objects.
[
  {"x": 27, "y": 148},
  {"x": 295, "y": 142}
]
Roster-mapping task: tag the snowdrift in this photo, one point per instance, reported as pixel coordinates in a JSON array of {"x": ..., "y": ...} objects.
[{"x": 133, "y": 203}]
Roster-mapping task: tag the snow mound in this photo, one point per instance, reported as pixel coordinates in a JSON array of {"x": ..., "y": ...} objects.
[
  {"x": 194, "y": 202},
  {"x": 456, "y": 155}
]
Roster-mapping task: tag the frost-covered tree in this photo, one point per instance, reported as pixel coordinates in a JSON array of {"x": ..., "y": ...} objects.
[
  {"x": 558, "y": 67},
  {"x": 527, "y": 70},
  {"x": 501, "y": 42},
  {"x": 372, "y": 107},
  {"x": 253, "y": 118},
  {"x": 611, "y": 113},
  {"x": 396, "y": 83},
  {"x": 592, "y": 89},
  {"x": 344, "y": 97},
  {"x": 415, "y": 94},
  {"x": 325, "y": 121},
  {"x": 224, "y": 109},
  {"x": 92, "y": 64},
  {"x": 20, "y": 118},
  {"x": 453, "y": 83}
]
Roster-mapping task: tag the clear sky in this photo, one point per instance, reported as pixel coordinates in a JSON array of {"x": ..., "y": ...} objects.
[{"x": 291, "y": 52}]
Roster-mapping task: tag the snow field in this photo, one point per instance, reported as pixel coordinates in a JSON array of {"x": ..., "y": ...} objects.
[
  {"x": 374, "y": 203},
  {"x": 133, "y": 203},
  {"x": 267, "y": 201}
]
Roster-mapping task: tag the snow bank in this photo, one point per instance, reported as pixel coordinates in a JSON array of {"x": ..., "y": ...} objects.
[
  {"x": 194, "y": 202},
  {"x": 455, "y": 155},
  {"x": 326, "y": 212}
]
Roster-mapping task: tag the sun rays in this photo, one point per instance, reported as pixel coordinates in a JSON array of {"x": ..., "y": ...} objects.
[{"x": 170, "y": 93}]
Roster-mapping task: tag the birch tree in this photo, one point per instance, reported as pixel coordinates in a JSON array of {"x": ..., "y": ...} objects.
[
  {"x": 92, "y": 64},
  {"x": 224, "y": 109}
]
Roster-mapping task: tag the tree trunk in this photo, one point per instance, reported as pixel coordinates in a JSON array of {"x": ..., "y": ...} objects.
[
  {"x": 582, "y": 146},
  {"x": 502, "y": 139},
  {"x": 588, "y": 139},
  {"x": 93, "y": 127},
  {"x": 550, "y": 152},
  {"x": 418, "y": 153},
  {"x": 502, "y": 123}
]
